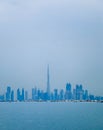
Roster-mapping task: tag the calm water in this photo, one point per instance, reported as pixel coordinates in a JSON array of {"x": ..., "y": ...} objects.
[{"x": 51, "y": 116}]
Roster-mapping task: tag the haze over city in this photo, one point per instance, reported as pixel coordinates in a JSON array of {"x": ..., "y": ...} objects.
[{"x": 67, "y": 35}]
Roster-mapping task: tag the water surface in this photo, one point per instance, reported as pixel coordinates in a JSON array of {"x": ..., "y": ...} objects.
[{"x": 51, "y": 116}]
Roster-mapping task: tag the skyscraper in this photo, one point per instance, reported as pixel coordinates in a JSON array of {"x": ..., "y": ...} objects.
[
  {"x": 8, "y": 94},
  {"x": 20, "y": 96},
  {"x": 48, "y": 82},
  {"x": 68, "y": 93}
]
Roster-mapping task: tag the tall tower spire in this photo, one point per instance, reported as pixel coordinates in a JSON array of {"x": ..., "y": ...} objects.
[{"x": 48, "y": 82}]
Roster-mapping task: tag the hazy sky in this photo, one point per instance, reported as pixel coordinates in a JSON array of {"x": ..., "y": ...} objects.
[{"x": 66, "y": 34}]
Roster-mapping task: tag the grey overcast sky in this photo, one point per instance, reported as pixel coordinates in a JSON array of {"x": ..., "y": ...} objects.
[{"x": 66, "y": 34}]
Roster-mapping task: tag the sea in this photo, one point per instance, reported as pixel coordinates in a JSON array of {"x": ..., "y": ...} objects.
[{"x": 51, "y": 116}]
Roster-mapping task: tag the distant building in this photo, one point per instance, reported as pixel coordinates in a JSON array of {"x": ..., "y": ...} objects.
[
  {"x": 20, "y": 96},
  {"x": 12, "y": 95},
  {"x": 34, "y": 93},
  {"x": 8, "y": 94},
  {"x": 1, "y": 98},
  {"x": 26, "y": 95},
  {"x": 68, "y": 93},
  {"x": 48, "y": 83}
]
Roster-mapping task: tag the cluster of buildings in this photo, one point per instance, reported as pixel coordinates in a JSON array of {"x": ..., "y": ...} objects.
[
  {"x": 67, "y": 94},
  {"x": 77, "y": 94}
]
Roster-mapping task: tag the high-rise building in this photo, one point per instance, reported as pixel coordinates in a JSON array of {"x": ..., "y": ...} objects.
[
  {"x": 8, "y": 94},
  {"x": 61, "y": 95},
  {"x": 34, "y": 93},
  {"x": 1, "y": 98},
  {"x": 55, "y": 94},
  {"x": 26, "y": 95},
  {"x": 68, "y": 94},
  {"x": 12, "y": 95},
  {"x": 48, "y": 83},
  {"x": 20, "y": 96}
]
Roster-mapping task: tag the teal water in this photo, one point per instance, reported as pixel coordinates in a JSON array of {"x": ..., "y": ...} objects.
[{"x": 51, "y": 116}]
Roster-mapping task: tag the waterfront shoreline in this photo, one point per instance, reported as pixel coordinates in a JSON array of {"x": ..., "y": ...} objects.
[{"x": 75, "y": 101}]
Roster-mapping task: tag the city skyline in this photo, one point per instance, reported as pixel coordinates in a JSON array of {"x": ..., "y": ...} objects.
[
  {"x": 47, "y": 85},
  {"x": 67, "y": 93}
]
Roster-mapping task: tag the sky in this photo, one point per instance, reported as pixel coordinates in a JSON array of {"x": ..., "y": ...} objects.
[{"x": 66, "y": 34}]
